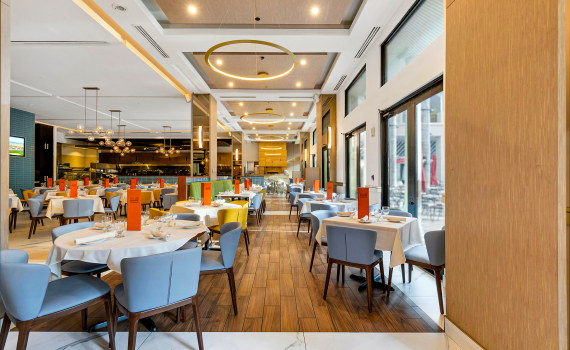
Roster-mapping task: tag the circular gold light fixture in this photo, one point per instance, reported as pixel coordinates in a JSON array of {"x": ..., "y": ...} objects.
[
  {"x": 251, "y": 121},
  {"x": 259, "y": 77},
  {"x": 269, "y": 110},
  {"x": 270, "y": 138}
]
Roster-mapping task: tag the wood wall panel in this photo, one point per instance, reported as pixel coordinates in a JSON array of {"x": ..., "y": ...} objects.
[
  {"x": 505, "y": 189},
  {"x": 272, "y": 160}
]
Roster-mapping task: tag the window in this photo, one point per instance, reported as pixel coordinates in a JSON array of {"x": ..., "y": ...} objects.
[
  {"x": 355, "y": 93},
  {"x": 419, "y": 28},
  {"x": 314, "y": 136},
  {"x": 355, "y": 160},
  {"x": 314, "y": 158},
  {"x": 326, "y": 122}
]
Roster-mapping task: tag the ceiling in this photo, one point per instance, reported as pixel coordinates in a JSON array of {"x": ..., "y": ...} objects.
[{"x": 57, "y": 49}]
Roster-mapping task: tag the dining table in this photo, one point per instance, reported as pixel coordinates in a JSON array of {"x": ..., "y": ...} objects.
[
  {"x": 55, "y": 205},
  {"x": 53, "y": 193},
  {"x": 395, "y": 237},
  {"x": 317, "y": 195},
  {"x": 113, "y": 250},
  {"x": 344, "y": 205},
  {"x": 243, "y": 195},
  {"x": 16, "y": 203},
  {"x": 123, "y": 193},
  {"x": 208, "y": 213}
]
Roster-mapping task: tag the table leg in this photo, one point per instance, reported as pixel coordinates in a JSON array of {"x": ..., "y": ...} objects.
[{"x": 377, "y": 283}]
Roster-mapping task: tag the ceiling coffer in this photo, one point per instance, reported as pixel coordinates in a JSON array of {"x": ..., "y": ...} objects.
[{"x": 144, "y": 33}]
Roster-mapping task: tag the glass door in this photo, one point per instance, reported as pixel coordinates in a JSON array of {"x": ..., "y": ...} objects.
[
  {"x": 356, "y": 161},
  {"x": 326, "y": 166},
  {"x": 414, "y": 158}
]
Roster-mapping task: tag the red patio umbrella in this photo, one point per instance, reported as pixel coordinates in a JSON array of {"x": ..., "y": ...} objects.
[{"x": 433, "y": 178}]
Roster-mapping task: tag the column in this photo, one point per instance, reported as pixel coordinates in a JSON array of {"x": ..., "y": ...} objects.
[
  {"x": 4, "y": 119},
  {"x": 213, "y": 158},
  {"x": 319, "y": 142}
]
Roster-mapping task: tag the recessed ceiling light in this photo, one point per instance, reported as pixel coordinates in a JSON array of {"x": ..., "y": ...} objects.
[
  {"x": 315, "y": 10},
  {"x": 192, "y": 9},
  {"x": 254, "y": 128},
  {"x": 219, "y": 61},
  {"x": 241, "y": 103},
  {"x": 231, "y": 84},
  {"x": 291, "y": 115},
  {"x": 298, "y": 84},
  {"x": 290, "y": 122},
  {"x": 256, "y": 134},
  {"x": 288, "y": 128},
  {"x": 303, "y": 61},
  {"x": 294, "y": 104}
]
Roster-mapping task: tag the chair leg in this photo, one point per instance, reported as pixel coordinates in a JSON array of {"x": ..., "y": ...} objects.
[
  {"x": 337, "y": 272},
  {"x": 298, "y": 227},
  {"x": 110, "y": 324},
  {"x": 198, "y": 327},
  {"x": 327, "y": 279},
  {"x": 5, "y": 330},
  {"x": 381, "y": 264},
  {"x": 342, "y": 270},
  {"x": 313, "y": 257},
  {"x": 247, "y": 235},
  {"x": 369, "y": 286},
  {"x": 15, "y": 219},
  {"x": 439, "y": 292},
  {"x": 183, "y": 313},
  {"x": 410, "y": 268},
  {"x": 233, "y": 288},
  {"x": 23, "y": 334},
  {"x": 290, "y": 210},
  {"x": 133, "y": 323},
  {"x": 84, "y": 319},
  {"x": 246, "y": 245},
  {"x": 42, "y": 221},
  {"x": 31, "y": 228},
  {"x": 403, "y": 274},
  {"x": 389, "y": 282}
]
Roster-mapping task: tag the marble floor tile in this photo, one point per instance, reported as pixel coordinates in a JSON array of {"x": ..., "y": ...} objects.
[
  {"x": 392, "y": 341},
  {"x": 430, "y": 305},
  {"x": 73, "y": 340}
]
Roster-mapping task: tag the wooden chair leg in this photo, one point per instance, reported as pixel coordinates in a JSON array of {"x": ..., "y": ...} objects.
[
  {"x": 233, "y": 288},
  {"x": 183, "y": 313},
  {"x": 298, "y": 227},
  {"x": 246, "y": 245},
  {"x": 5, "y": 330},
  {"x": 15, "y": 220},
  {"x": 84, "y": 319},
  {"x": 410, "y": 268},
  {"x": 337, "y": 272},
  {"x": 23, "y": 334},
  {"x": 403, "y": 274},
  {"x": 247, "y": 235},
  {"x": 439, "y": 292},
  {"x": 110, "y": 324},
  {"x": 290, "y": 210},
  {"x": 179, "y": 314},
  {"x": 42, "y": 221},
  {"x": 198, "y": 327},
  {"x": 369, "y": 286},
  {"x": 381, "y": 264},
  {"x": 327, "y": 279},
  {"x": 342, "y": 270},
  {"x": 313, "y": 257},
  {"x": 389, "y": 283},
  {"x": 133, "y": 323}
]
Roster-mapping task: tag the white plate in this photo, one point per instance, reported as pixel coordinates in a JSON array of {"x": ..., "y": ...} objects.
[
  {"x": 319, "y": 199},
  {"x": 94, "y": 242},
  {"x": 365, "y": 221},
  {"x": 343, "y": 215},
  {"x": 395, "y": 220},
  {"x": 190, "y": 224}
]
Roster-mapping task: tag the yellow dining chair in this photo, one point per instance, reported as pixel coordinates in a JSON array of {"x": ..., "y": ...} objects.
[
  {"x": 225, "y": 216},
  {"x": 156, "y": 213},
  {"x": 92, "y": 192},
  {"x": 61, "y": 194},
  {"x": 244, "y": 204},
  {"x": 243, "y": 214},
  {"x": 180, "y": 202},
  {"x": 145, "y": 199},
  {"x": 262, "y": 201},
  {"x": 90, "y": 187},
  {"x": 156, "y": 194}
]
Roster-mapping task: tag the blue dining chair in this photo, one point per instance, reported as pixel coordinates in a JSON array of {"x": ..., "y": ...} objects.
[
  {"x": 303, "y": 216},
  {"x": 36, "y": 208},
  {"x": 404, "y": 214},
  {"x": 316, "y": 218},
  {"x": 430, "y": 256},
  {"x": 222, "y": 261},
  {"x": 256, "y": 207},
  {"x": 174, "y": 276},
  {"x": 354, "y": 247},
  {"x": 188, "y": 217},
  {"x": 75, "y": 209},
  {"x": 168, "y": 200},
  {"x": 165, "y": 191},
  {"x": 31, "y": 299},
  {"x": 292, "y": 201},
  {"x": 114, "y": 203},
  {"x": 322, "y": 206}
]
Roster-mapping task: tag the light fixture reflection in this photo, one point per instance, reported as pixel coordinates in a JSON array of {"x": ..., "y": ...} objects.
[{"x": 192, "y": 9}]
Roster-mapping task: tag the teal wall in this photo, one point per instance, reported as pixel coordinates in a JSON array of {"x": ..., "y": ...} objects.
[{"x": 22, "y": 169}]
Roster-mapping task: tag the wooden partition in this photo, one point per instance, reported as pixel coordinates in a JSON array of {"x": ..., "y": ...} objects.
[{"x": 506, "y": 157}]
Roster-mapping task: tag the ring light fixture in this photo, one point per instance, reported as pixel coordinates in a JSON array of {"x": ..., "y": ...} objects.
[
  {"x": 243, "y": 118},
  {"x": 261, "y": 77},
  {"x": 270, "y": 138}
]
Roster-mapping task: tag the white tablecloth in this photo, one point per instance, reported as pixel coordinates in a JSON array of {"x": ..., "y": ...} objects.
[
  {"x": 53, "y": 193},
  {"x": 296, "y": 186},
  {"x": 350, "y": 206},
  {"x": 100, "y": 191},
  {"x": 55, "y": 205},
  {"x": 246, "y": 196},
  {"x": 112, "y": 251},
  {"x": 394, "y": 237},
  {"x": 208, "y": 214},
  {"x": 37, "y": 189},
  {"x": 16, "y": 203},
  {"x": 318, "y": 195},
  {"x": 124, "y": 196}
]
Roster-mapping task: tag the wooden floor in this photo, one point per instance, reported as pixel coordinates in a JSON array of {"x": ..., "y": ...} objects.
[{"x": 276, "y": 292}]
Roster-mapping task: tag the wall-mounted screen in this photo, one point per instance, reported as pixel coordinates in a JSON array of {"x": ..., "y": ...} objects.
[{"x": 17, "y": 146}]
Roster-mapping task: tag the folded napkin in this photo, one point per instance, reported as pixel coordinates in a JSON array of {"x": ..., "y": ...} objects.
[
  {"x": 394, "y": 218},
  {"x": 184, "y": 223},
  {"x": 364, "y": 218},
  {"x": 99, "y": 224},
  {"x": 164, "y": 235},
  {"x": 343, "y": 213},
  {"x": 94, "y": 238}
]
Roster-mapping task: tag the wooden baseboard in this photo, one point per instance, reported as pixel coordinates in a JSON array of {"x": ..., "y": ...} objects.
[{"x": 459, "y": 337}]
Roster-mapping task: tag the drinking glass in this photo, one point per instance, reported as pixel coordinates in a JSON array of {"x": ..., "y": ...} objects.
[
  {"x": 385, "y": 210},
  {"x": 158, "y": 225},
  {"x": 120, "y": 227},
  {"x": 145, "y": 215}
]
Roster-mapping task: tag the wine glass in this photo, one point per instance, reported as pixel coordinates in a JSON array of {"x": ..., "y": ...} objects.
[
  {"x": 120, "y": 227},
  {"x": 158, "y": 225},
  {"x": 385, "y": 211},
  {"x": 145, "y": 215}
]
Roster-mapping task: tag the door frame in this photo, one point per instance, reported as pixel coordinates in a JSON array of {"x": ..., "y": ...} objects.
[
  {"x": 409, "y": 105},
  {"x": 354, "y": 132}
]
